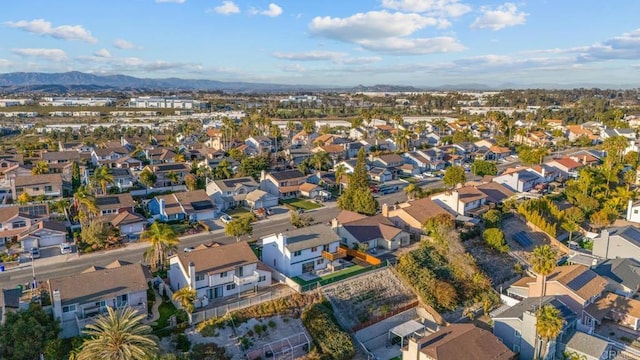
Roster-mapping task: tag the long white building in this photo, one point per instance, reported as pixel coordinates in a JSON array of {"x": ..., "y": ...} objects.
[{"x": 166, "y": 103}]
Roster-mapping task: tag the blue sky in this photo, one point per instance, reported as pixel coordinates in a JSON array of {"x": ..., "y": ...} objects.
[{"x": 329, "y": 42}]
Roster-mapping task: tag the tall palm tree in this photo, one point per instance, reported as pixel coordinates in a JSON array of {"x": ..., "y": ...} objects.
[
  {"x": 549, "y": 324},
  {"x": 321, "y": 160},
  {"x": 543, "y": 260},
  {"x": 187, "y": 297},
  {"x": 173, "y": 177},
  {"x": 85, "y": 203},
  {"x": 118, "y": 335},
  {"x": 410, "y": 190},
  {"x": 163, "y": 241},
  {"x": 41, "y": 167},
  {"x": 103, "y": 178},
  {"x": 341, "y": 171}
]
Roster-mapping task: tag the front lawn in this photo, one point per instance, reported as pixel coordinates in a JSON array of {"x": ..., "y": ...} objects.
[
  {"x": 166, "y": 309},
  {"x": 301, "y": 204},
  {"x": 238, "y": 213}
]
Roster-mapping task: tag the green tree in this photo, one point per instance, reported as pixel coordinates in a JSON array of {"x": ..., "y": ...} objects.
[
  {"x": 41, "y": 167},
  {"x": 252, "y": 166},
  {"x": 492, "y": 218},
  {"x": 341, "y": 171},
  {"x": 191, "y": 182},
  {"x": 495, "y": 239},
  {"x": 482, "y": 168},
  {"x": 24, "y": 198},
  {"x": 358, "y": 197},
  {"x": 173, "y": 177},
  {"x": 76, "y": 179},
  {"x": 411, "y": 190},
  {"x": 94, "y": 234},
  {"x": 309, "y": 126},
  {"x": 26, "y": 334},
  {"x": 148, "y": 178},
  {"x": 573, "y": 217},
  {"x": 186, "y": 297},
  {"x": 543, "y": 261},
  {"x": 84, "y": 202},
  {"x": 453, "y": 176},
  {"x": 238, "y": 228},
  {"x": 163, "y": 241},
  {"x": 321, "y": 160},
  {"x": 103, "y": 177},
  {"x": 549, "y": 324},
  {"x": 118, "y": 335}
]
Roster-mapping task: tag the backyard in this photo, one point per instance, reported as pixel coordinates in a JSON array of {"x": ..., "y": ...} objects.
[
  {"x": 332, "y": 277},
  {"x": 301, "y": 204}
]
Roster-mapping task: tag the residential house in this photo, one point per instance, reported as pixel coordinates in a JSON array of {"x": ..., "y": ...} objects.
[
  {"x": 336, "y": 152},
  {"x": 311, "y": 191},
  {"x": 618, "y": 242},
  {"x": 163, "y": 170},
  {"x": 575, "y": 132},
  {"x": 465, "y": 201},
  {"x": 15, "y": 220},
  {"x": 496, "y": 193},
  {"x": 77, "y": 300},
  {"x": 426, "y": 160},
  {"x": 633, "y": 211},
  {"x": 353, "y": 148},
  {"x": 128, "y": 162},
  {"x": 588, "y": 157},
  {"x": 122, "y": 178},
  {"x": 43, "y": 234},
  {"x": 497, "y": 153},
  {"x": 576, "y": 286},
  {"x": 567, "y": 165},
  {"x": 519, "y": 180},
  {"x": 325, "y": 139},
  {"x": 380, "y": 174},
  {"x": 187, "y": 205},
  {"x": 457, "y": 341},
  {"x": 48, "y": 185},
  {"x": 10, "y": 302},
  {"x": 305, "y": 250},
  {"x": 410, "y": 216},
  {"x": 107, "y": 156},
  {"x": 303, "y": 138},
  {"x": 359, "y": 231},
  {"x": 622, "y": 274},
  {"x": 61, "y": 161},
  {"x": 620, "y": 309},
  {"x": 283, "y": 184},
  {"x": 218, "y": 272},
  {"x": 585, "y": 346},
  {"x": 358, "y": 134},
  {"x": 516, "y": 325},
  {"x": 258, "y": 199},
  {"x": 260, "y": 145},
  {"x": 114, "y": 204},
  {"x": 231, "y": 193},
  {"x": 160, "y": 156},
  {"x": 128, "y": 223}
]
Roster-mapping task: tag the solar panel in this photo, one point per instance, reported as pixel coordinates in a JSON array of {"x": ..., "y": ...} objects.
[
  {"x": 107, "y": 201},
  {"x": 202, "y": 205},
  {"x": 581, "y": 280}
]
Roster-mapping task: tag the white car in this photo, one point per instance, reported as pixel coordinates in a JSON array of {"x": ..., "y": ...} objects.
[
  {"x": 226, "y": 218},
  {"x": 34, "y": 253},
  {"x": 189, "y": 249},
  {"x": 65, "y": 248}
]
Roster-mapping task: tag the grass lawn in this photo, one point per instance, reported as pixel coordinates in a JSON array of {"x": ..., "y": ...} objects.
[
  {"x": 166, "y": 309},
  {"x": 302, "y": 204},
  {"x": 338, "y": 275},
  {"x": 238, "y": 213},
  {"x": 180, "y": 228}
]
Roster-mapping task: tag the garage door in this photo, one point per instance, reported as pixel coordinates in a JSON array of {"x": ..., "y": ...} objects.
[
  {"x": 29, "y": 243},
  {"x": 205, "y": 215},
  {"x": 51, "y": 240}
]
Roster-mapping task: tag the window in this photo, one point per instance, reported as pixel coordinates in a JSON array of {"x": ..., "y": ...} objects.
[
  {"x": 297, "y": 253},
  {"x": 48, "y": 188},
  {"x": 199, "y": 277},
  {"x": 19, "y": 189},
  {"x": 35, "y": 189},
  {"x": 122, "y": 300},
  {"x": 314, "y": 249},
  {"x": 518, "y": 334},
  {"x": 68, "y": 308},
  {"x": 231, "y": 286},
  {"x": 516, "y": 348},
  {"x": 635, "y": 211},
  {"x": 224, "y": 274},
  {"x": 262, "y": 278},
  {"x": 18, "y": 224},
  {"x": 325, "y": 247},
  {"x": 319, "y": 261}
]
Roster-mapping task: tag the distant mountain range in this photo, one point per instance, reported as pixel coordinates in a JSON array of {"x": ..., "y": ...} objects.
[{"x": 76, "y": 81}]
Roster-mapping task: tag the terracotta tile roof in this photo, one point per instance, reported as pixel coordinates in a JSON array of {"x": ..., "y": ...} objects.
[
  {"x": 500, "y": 149},
  {"x": 324, "y": 138},
  {"x": 217, "y": 259},
  {"x": 568, "y": 163},
  {"x": 464, "y": 341}
]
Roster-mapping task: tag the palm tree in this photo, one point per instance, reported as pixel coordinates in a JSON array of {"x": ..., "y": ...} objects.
[
  {"x": 186, "y": 296},
  {"x": 543, "y": 260},
  {"x": 549, "y": 324},
  {"x": 84, "y": 202},
  {"x": 163, "y": 241},
  {"x": 341, "y": 170},
  {"x": 118, "y": 335},
  {"x": 148, "y": 178},
  {"x": 103, "y": 177},
  {"x": 173, "y": 177},
  {"x": 41, "y": 167},
  {"x": 320, "y": 160}
]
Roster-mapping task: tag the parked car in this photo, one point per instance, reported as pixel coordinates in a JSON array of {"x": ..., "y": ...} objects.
[
  {"x": 189, "y": 249},
  {"x": 65, "y": 248},
  {"x": 226, "y": 218},
  {"x": 34, "y": 253}
]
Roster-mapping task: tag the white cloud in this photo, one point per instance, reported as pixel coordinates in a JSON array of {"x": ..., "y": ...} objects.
[
  {"x": 48, "y": 54},
  {"x": 273, "y": 11},
  {"x": 310, "y": 55},
  {"x": 442, "y": 44},
  {"x": 65, "y": 32},
  {"x": 444, "y": 8},
  {"x": 5, "y": 63},
  {"x": 294, "y": 68},
  {"x": 123, "y": 44},
  {"x": 227, "y": 8},
  {"x": 102, "y": 53},
  {"x": 499, "y": 18},
  {"x": 170, "y": 1},
  {"x": 369, "y": 26}
]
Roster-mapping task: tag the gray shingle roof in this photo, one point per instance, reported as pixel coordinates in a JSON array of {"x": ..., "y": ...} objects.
[
  {"x": 623, "y": 271},
  {"x": 586, "y": 344},
  {"x": 532, "y": 304},
  {"x": 311, "y": 236}
]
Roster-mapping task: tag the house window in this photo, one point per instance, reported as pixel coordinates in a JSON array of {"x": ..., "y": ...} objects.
[
  {"x": 297, "y": 253},
  {"x": 224, "y": 274},
  {"x": 68, "y": 308},
  {"x": 516, "y": 348},
  {"x": 314, "y": 249},
  {"x": 18, "y": 224},
  {"x": 635, "y": 211},
  {"x": 319, "y": 261},
  {"x": 199, "y": 277},
  {"x": 122, "y": 300},
  {"x": 19, "y": 189},
  {"x": 35, "y": 189},
  {"x": 231, "y": 286},
  {"x": 48, "y": 188},
  {"x": 325, "y": 247},
  {"x": 262, "y": 278},
  {"x": 518, "y": 334}
]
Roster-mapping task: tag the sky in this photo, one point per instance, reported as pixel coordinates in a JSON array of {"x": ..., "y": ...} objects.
[{"x": 420, "y": 43}]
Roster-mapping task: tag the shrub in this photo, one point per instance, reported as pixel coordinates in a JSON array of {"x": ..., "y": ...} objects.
[
  {"x": 272, "y": 324},
  {"x": 331, "y": 341},
  {"x": 208, "y": 351},
  {"x": 182, "y": 343},
  {"x": 494, "y": 238}
]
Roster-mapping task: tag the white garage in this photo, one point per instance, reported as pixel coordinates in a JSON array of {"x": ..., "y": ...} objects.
[{"x": 49, "y": 233}]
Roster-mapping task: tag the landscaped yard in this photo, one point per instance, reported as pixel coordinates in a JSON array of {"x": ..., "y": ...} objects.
[
  {"x": 238, "y": 213},
  {"x": 334, "y": 276},
  {"x": 302, "y": 204},
  {"x": 166, "y": 309}
]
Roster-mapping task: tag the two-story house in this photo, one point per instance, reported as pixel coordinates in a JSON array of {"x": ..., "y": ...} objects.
[
  {"x": 567, "y": 165},
  {"x": 283, "y": 184},
  {"x": 465, "y": 201},
  {"x": 622, "y": 274},
  {"x": 107, "y": 156},
  {"x": 162, "y": 172},
  {"x": 519, "y": 180},
  {"x": 301, "y": 251},
  {"x": 359, "y": 231},
  {"x": 160, "y": 155},
  {"x": 48, "y": 185},
  {"x": 15, "y": 220},
  {"x": 259, "y": 144},
  {"x": 618, "y": 242},
  {"x": 78, "y": 299},
  {"x": 218, "y": 271},
  {"x": 114, "y": 204},
  {"x": 230, "y": 193},
  {"x": 335, "y": 152},
  {"x": 187, "y": 205}
]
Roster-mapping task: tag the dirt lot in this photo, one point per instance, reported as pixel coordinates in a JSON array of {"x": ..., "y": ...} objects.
[{"x": 499, "y": 267}]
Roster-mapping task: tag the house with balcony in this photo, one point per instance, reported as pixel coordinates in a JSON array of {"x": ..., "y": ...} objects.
[
  {"x": 162, "y": 172},
  {"x": 231, "y": 193},
  {"x": 465, "y": 201},
  {"x": 283, "y": 184},
  {"x": 301, "y": 251},
  {"x": 77, "y": 300},
  {"x": 357, "y": 231},
  {"x": 218, "y": 271},
  {"x": 187, "y": 205},
  {"x": 16, "y": 219},
  {"x": 259, "y": 145},
  {"x": 107, "y": 156},
  {"x": 114, "y": 204},
  {"x": 48, "y": 185},
  {"x": 519, "y": 179}
]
